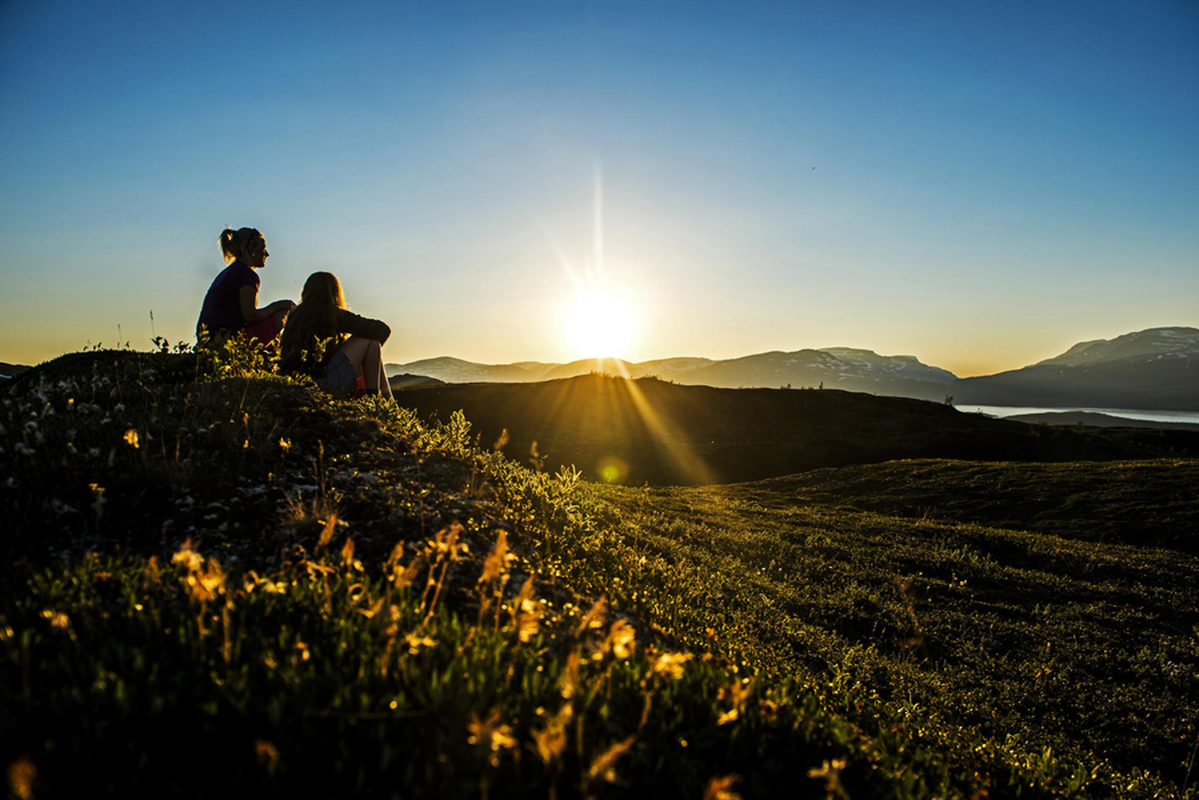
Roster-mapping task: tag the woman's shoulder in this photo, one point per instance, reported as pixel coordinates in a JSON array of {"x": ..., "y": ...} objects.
[{"x": 240, "y": 274}]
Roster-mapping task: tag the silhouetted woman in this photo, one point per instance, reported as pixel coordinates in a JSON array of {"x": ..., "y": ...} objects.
[
  {"x": 336, "y": 346},
  {"x": 231, "y": 305}
]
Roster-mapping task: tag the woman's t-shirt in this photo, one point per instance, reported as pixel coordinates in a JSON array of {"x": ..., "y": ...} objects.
[{"x": 221, "y": 312}]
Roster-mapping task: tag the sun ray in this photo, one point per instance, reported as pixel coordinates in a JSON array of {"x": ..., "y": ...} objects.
[
  {"x": 600, "y": 324},
  {"x": 688, "y": 461}
]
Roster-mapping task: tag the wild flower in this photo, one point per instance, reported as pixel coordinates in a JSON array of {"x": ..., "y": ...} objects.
[
  {"x": 59, "y": 507},
  {"x": 831, "y": 772},
  {"x": 415, "y": 642},
  {"x": 151, "y": 573},
  {"x": 594, "y": 618},
  {"x": 130, "y": 438},
  {"x": 58, "y": 620},
  {"x": 267, "y": 753},
  {"x": 670, "y": 665},
  {"x": 494, "y": 576},
  {"x": 22, "y": 775},
  {"x": 496, "y": 563},
  {"x": 550, "y": 741},
  {"x": 621, "y": 639},
  {"x": 492, "y": 735},
  {"x": 373, "y": 609},
  {"x": 735, "y": 694},
  {"x": 399, "y": 575},
  {"x": 251, "y": 581},
  {"x": 327, "y": 532},
  {"x": 721, "y": 788},
  {"x": 768, "y": 709},
  {"x": 206, "y": 583},
  {"x": 603, "y": 767},
  {"x": 445, "y": 543},
  {"x": 190, "y": 559},
  {"x": 568, "y": 683},
  {"x": 526, "y": 613}
]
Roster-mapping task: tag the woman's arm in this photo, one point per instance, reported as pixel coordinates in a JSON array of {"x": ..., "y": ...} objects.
[
  {"x": 351, "y": 323},
  {"x": 251, "y": 313}
]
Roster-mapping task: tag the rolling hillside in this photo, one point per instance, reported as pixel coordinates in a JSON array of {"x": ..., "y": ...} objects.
[
  {"x": 222, "y": 581},
  {"x": 649, "y": 430},
  {"x": 952, "y": 598}
]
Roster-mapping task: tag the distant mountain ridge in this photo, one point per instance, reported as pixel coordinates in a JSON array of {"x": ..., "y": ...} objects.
[
  {"x": 839, "y": 368},
  {"x": 1148, "y": 345},
  {"x": 1156, "y": 368},
  {"x": 1150, "y": 369}
]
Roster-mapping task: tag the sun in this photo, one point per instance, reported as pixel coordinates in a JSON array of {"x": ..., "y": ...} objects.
[{"x": 599, "y": 323}]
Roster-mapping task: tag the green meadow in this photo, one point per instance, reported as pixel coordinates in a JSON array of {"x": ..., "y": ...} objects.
[{"x": 218, "y": 579}]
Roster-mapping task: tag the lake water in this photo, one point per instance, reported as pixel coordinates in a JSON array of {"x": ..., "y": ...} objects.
[{"x": 1148, "y": 416}]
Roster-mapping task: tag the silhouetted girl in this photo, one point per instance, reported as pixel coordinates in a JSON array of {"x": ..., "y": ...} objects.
[
  {"x": 332, "y": 344},
  {"x": 231, "y": 305}
]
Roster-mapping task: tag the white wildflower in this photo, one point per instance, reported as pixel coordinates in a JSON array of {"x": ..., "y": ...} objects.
[{"x": 60, "y": 508}]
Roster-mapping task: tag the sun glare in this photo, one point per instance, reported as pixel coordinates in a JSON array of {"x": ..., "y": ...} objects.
[{"x": 599, "y": 324}]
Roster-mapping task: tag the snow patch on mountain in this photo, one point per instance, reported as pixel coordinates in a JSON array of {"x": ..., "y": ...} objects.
[
  {"x": 1147, "y": 345},
  {"x": 907, "y": 367}
]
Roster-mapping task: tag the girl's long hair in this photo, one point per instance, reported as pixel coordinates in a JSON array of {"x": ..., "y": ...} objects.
[{"x": 312, "y": 322}]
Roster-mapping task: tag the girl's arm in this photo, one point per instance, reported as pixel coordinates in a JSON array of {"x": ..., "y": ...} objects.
[
  {"x": 251, "y": 313},
  {"x": 351, "y": 323}
]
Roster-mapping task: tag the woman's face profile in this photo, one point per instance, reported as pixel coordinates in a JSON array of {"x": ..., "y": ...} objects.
[{"x": 256, "y": 251}]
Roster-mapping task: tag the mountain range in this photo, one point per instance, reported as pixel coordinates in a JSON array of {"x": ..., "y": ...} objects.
[
  {"x": 646, "y": 430},
  {"x": 1149, "y": 369}
]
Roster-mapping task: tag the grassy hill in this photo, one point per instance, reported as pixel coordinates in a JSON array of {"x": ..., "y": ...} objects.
[
  {"x": 663, "y": 433},
  {"x": 1142, "y": 503},
  {"x": 216, "y": 579},
  {"x": 986, "y": 623}
]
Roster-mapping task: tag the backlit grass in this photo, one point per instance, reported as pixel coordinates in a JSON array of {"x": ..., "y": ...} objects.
[{"x": 217, "y": 580}]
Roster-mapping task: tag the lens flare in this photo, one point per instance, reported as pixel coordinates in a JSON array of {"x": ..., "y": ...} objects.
[{"x": 612, "y": 469}]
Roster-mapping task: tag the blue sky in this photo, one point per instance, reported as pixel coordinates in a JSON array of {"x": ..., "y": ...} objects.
[{"x": 979, "y": 185}]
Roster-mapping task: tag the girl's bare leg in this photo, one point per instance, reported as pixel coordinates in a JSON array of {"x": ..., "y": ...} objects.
[
  {"x": 355, "y": 349},
  {"x": 367, "y": 357},
  {"x": 372, "y": 368}
]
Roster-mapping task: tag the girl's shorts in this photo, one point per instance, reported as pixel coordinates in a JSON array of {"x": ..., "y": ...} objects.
[{"x": 340, "y": 373}]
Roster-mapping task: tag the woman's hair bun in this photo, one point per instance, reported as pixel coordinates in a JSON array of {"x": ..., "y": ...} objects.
[{"x": 233, "y": 242}]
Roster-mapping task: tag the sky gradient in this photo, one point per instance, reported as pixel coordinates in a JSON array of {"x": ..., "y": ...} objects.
[{"x": 978, "y": 185}]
